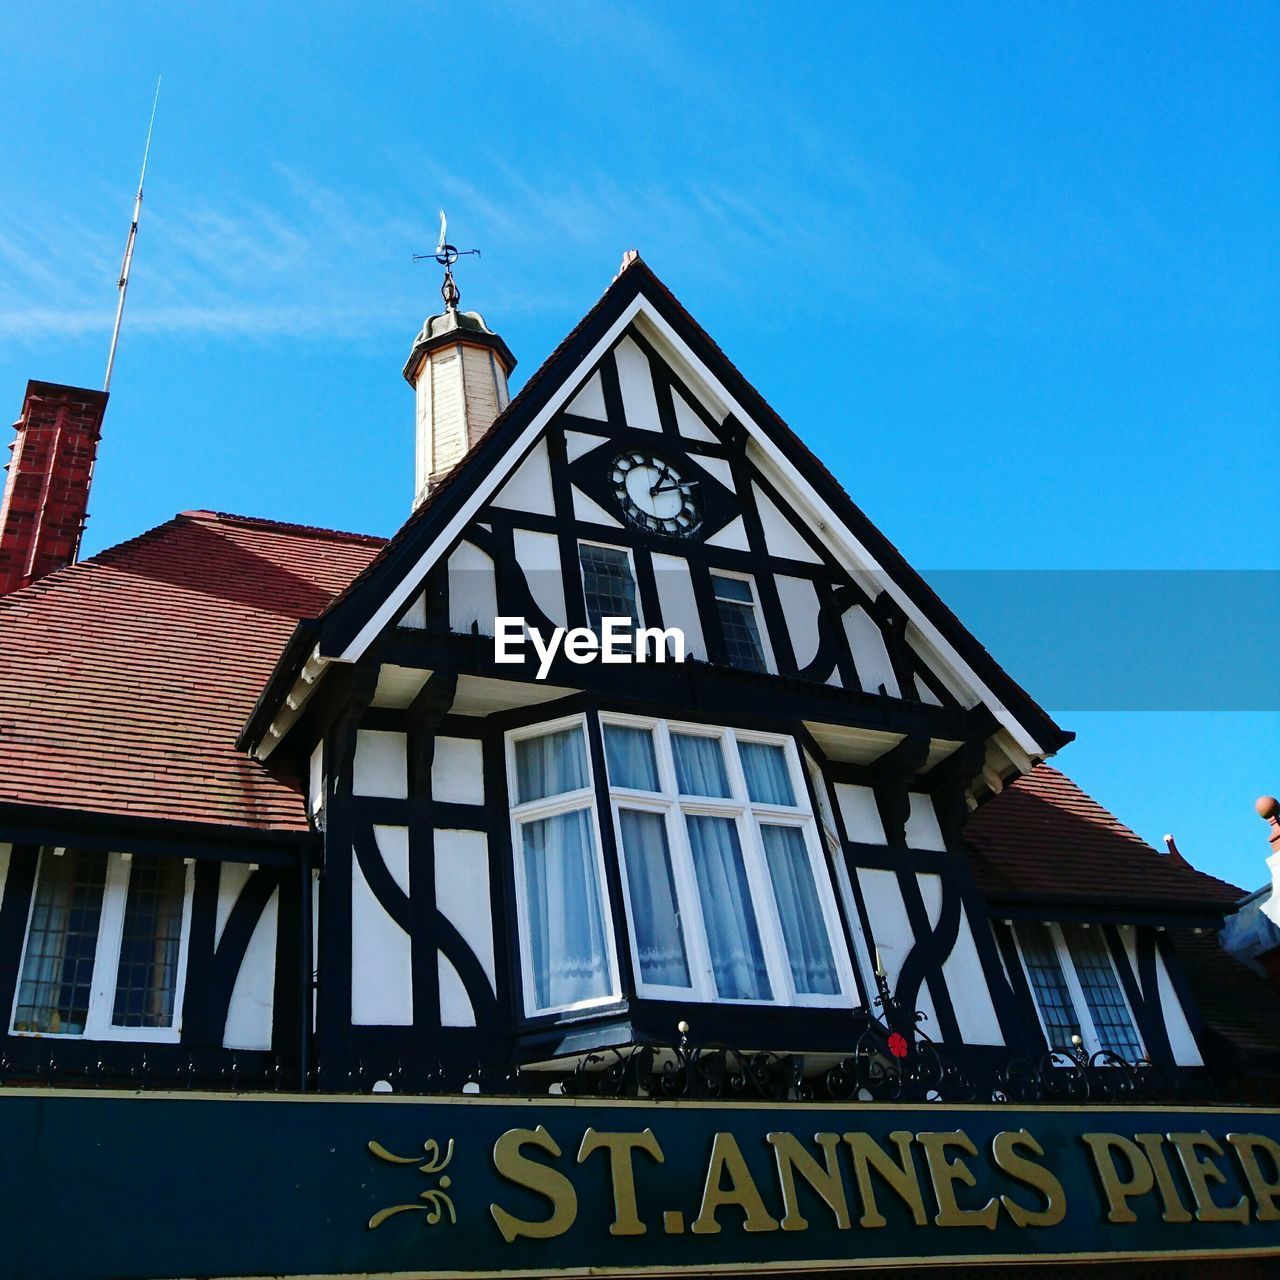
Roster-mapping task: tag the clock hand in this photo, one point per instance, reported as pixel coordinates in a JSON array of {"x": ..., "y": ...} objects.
[
  {"x": 664, "y": 474},
  {"x": 679, "y": 486}
]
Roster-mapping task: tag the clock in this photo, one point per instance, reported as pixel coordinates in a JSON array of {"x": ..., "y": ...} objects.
[{"x": 654, "y": 495}]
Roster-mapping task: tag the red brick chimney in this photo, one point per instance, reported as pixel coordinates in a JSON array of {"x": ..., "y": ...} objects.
[{"x": 46, "y": 497}]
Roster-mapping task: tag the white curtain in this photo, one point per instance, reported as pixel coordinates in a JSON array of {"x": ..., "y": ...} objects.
[
  {"x": 699, "y": 765},
  {"x": 62, "y": 942},
  {"x": 565, "y": 913},
  {"x": 805, "y": 932},
  {"x": 737, "y": 960},
  {"x": 550, "y": 764},
  {"x": 629, "y": 754},
  {"x": 765, "y": 768},
  {"x": 654, "y": 911}
]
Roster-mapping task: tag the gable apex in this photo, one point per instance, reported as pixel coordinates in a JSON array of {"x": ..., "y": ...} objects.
[{"x": 638, "y": 298}]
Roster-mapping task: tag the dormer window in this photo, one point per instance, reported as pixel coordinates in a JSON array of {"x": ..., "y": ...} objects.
[
  {"x": 103, "y": 956},
  {"x": 736, "y": 604},
  {"x": 1076, "y": 989}
]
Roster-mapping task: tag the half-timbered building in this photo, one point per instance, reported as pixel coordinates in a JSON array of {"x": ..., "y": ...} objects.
[{"x": 288, "y": 809}]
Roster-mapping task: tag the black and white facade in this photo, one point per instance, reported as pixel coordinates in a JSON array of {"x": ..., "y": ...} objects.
[{"x": 507, "y": 869}]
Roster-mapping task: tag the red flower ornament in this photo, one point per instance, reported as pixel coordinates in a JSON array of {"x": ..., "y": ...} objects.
[{"x": 898, "y": 1045}]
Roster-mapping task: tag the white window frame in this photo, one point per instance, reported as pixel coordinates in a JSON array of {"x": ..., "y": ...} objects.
[
  {"x": 629, "y": 552},
  {"x": 98, "y": 1024},
  {"x": 748, "y": 816},
  {"x": 550, "y": 807},
  {"x": 1090, "y": 1041},
  {"x": 770, "y": 664}
]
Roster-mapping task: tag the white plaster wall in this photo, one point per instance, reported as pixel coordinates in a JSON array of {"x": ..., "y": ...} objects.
[
  {"x": 732, "y": 536},
  {"x": 381, "y": 951},
  {"x": 231, "y": 879},
  {"x": 970, "y": 994},
  {"x": 925, "y": 694},
  {"x": 473, "y": 593},
  {"x": 538, "y": 555},
  {"x": 5, "y": 851},
  {"x": 780, "y": 536},
  {"x": 923, "y": 831},
  {"x": 860, "y": 814},
  {"x": 691, "y": 426},
  {"x": 381, "y": 764},
  {"x": 636, "y": 381},
  {"x": 462, "y": 892},
  {"x": 719, "y": 468},
  {"x": 252, "y": 1007},
  {"x": 457, "y": 771},
  {"x": 891, "y": 930},
  {"x": 1186, "y": 1053},
  {"x": 869, "y": 654},
  {"x": 529, "y": 488},
  {"x": 576, "y": 443},
  {"x": 455, "y": 1005},
  {"x": 799, "y": 603},
  {"x": 315, "y": 780},
  {"x": 587, "y": 509},
  {"x": 678, "y": 604},
  {"x": 589, "y": 402},
  {"x": 415, "y": 616}
]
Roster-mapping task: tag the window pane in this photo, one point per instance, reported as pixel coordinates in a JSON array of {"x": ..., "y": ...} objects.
[
  {"x": 1048, "y": 985},
  {"x": 607, "y": 583},
  {"x": 737, "y": 960},
  {"x": 551, "y": 764},
  {"x": 654, "y": 909},
  {"x": 147, "y": 980},
  {"x": 57, "y": 970},
  {"x": 699, "y": 765},
  {"x": 629, "y": 754},
  {"x": 813, "y": 970},
  {"x": 1102, "y": 991},
  {"x": 565, "y": 911},
  {"x": 742, "y": 643},
  {"x": 768, "y": 778},
  {"x": 732, "y": 588}
]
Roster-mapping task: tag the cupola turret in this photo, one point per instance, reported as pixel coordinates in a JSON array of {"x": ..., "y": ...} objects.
[{"x": 459, "y": 369}]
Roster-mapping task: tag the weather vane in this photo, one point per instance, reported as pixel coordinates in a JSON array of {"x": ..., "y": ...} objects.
[{"x": 446, "y": 255}]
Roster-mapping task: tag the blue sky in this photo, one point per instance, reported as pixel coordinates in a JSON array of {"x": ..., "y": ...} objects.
[{"x": 1010, "y": 270}]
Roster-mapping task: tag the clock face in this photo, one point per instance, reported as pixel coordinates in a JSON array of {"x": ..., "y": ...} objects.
[{"x": 654, "y": 495}]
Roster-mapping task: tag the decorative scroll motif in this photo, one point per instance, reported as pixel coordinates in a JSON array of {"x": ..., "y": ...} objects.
[{"x": 437, "y": 1201}]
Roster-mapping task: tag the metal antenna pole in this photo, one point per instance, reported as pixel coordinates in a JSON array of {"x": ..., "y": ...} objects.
[{"x": 122, "y": 285}]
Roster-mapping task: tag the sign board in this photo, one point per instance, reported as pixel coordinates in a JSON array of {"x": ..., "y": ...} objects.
[{"x": 155, "y": 1185}]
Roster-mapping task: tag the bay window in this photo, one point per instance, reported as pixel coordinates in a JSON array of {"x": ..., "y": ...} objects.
[
  {"x": 104, "y": 954},
  {"x": 728, "y": 895},
  {"x": 566, "y": 942}
]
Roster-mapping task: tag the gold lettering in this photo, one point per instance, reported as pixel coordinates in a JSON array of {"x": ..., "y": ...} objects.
[
  {"x": 944, "y": 1174},
  {"x": 1004, "y": 1148},
  {"x": 726, "y": 1157},
  {"x": 1118, "y": 1191},
  {"x": 1200, "y": 1171},
  {"x": 1265, "y": 1191},
  {"x": 626, "y": 1218},
  {"x": 900, "y": 1175},
  {"x": 551, "y": 1183},
  {"x": 1174, "y": 1209},
  {"x": 792, "y": 1158}
]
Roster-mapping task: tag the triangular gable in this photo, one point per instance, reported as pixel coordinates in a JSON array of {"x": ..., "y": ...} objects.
[{"x": 568, "y": 380}]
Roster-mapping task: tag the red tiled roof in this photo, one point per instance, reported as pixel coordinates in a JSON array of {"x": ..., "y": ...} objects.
[
  {"x": 125, "y": 679},
  {"x": 1043, "y": 838}
]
